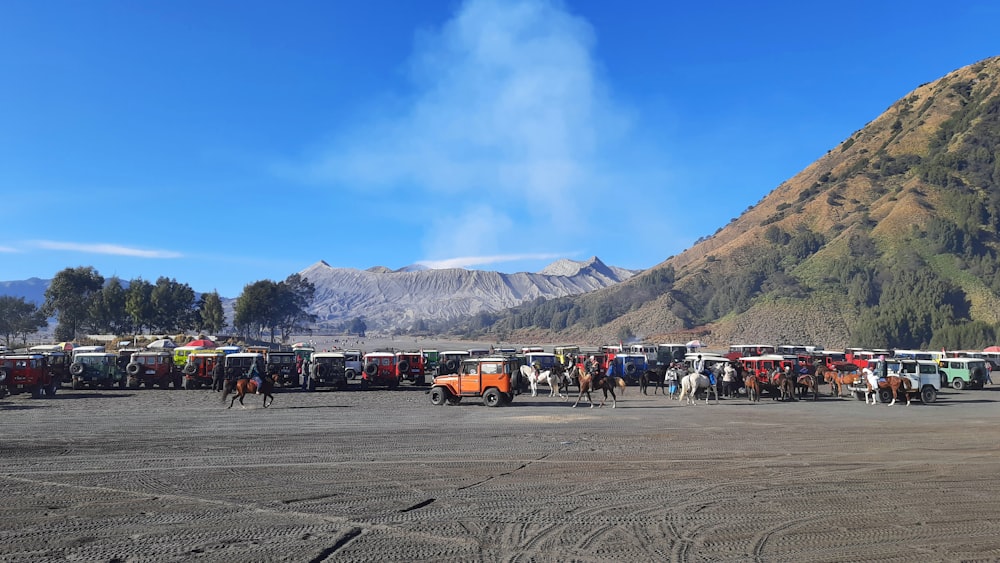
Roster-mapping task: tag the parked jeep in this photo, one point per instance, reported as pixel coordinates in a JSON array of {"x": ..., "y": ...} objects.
[
  {"x": 58, "y": 363},
  {"x": 152, "y": 367},
  {"x": 924, "y": 376},
  {"x": 629, "y": 367},
  {"x": 380, "y": 370},
  {"x": 27, "y": 372},
  {"x": 449, "y": 361},
  {"x": 327, "y": 370},
  {"x": 283, "y": 364},
  {"x": 491, "y": 377},
  {"x": 353, "y": 363},
  {"x": 411, "y": 367},
  {"x": 963, "y": 373},
  {"x": 237, "y": 366},
  {"x": 199, "y": 367},
  {"x": 96, "y": 369}
]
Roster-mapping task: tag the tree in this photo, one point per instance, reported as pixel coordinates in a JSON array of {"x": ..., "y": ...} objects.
[
  {"x": 210, "y": 313},
  {"x": 173, "y": 305},
  {"x": 107, "y": 309},
  {"x": 139, "y": 303},
  {"x": 293, "y": 298},
  {"x": 254, "y": 309},
  {"x": 68, "y": 296},
  {"x": 19, "y": 317}
]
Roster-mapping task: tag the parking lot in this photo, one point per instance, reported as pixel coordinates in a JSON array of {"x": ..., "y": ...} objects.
[{"x": 170, "y": 475}]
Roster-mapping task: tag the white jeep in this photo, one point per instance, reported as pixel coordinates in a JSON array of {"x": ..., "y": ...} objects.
[{"x": 923, "y": 375}]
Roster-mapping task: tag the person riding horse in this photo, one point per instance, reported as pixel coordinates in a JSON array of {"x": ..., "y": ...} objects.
[{"x": 254, "y": 375}]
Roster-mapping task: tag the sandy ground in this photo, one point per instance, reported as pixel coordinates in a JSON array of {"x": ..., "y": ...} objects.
[{"x": 165, "y": 475}]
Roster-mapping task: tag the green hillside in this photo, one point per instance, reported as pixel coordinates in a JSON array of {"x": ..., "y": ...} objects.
[{"x": 890, "y": 239}]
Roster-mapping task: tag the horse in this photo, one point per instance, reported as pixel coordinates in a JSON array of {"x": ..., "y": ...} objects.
[
  {"x": 808, "y": 382},
  {"x": 839, "y": 377},
  {"x": 243, "y": 386},
  {"x": 535, "y": 377},
  {"x": 892, "y": 383},
  {"x": 694, "y": 382},
  {"x": 784, "y": 381},
  {"x": 562, "y": 375},
  {"x": 654, "y": 376},
  {"x": 619, "y": 382},
  {"x": 588, "y": 381},
  {"x": 753, "y": 387}
]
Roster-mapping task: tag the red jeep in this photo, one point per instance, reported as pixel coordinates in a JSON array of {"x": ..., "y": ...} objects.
[
  {"x": 152, "y": 367},
  {"x": 410, "y": 366},
  {"x": 28, "y": 372},
  {"x": 380, "y": 370}
]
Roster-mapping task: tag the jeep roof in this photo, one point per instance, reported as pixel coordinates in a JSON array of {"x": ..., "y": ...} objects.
[{"x": 328, "y": 355}]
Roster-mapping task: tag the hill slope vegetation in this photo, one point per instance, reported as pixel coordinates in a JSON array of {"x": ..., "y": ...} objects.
[{"x": 890, "y": 239}]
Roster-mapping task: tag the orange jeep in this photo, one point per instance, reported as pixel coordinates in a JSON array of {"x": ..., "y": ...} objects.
[{"x": 493, "y": 378}]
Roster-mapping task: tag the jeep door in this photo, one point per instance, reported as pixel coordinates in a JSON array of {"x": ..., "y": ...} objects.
[{"x": 469, "y": 379}]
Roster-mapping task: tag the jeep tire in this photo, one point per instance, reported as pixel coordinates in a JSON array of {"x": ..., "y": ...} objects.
[
  {"x": 404, "y": 368},
  {"x": 492, "y": 397},
  {"x": 439, "y": 395},
  {"x": 958, "y": 384},
  {"x": 928, "y": 394}
]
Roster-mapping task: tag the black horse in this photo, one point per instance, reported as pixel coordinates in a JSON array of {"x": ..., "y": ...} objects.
[{"x": 655, "y": 377}]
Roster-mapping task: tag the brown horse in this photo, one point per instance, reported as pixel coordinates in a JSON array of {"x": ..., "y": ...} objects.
[
  {"x": 784, "y": 382},
  {"x": 808, "y": 382},
  {"x": 841, "y": 376},
  {"x": 753, "y": 387},
  {"x": 245, "y": 386},
  {"x": 891, "y": 384},
  {"x": 590, "y": 382}
]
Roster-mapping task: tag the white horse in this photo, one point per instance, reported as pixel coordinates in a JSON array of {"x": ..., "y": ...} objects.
[
  {"x": 694, "y": 382},
  {"x": 535, "y": 377}
]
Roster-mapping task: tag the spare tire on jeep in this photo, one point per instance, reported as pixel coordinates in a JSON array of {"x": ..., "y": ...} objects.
[
  {"x": 132, "y": 369},
  {"x": 403, "y": 366},
  {"x": 76, "y": 368},
  {"x": 371, "y": 368},
  {"x": 190, "y": 369},
  {"x": 451, "y": 365}
]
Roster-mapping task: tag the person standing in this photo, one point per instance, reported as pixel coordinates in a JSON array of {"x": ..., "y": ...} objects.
[
  {"x": 305, "y": 375},
  {"x": 217, "y": 375}
]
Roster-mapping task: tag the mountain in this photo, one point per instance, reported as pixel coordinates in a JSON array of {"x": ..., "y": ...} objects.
[
  {"x": 31, "y": 289},
  {"x": 889, "y": 239},
  {"x": 401, "y": 299}
]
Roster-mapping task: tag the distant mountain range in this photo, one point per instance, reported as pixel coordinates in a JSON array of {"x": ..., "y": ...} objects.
[{"x": 399, "y": 299}]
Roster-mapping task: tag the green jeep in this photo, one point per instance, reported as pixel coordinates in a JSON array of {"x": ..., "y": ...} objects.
[
  {"x": 963, "y": 373},
  {"x": 96, "y": 369}
]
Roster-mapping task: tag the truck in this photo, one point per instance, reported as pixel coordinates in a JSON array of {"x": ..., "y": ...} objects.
[{"x": 493, "y": 378}]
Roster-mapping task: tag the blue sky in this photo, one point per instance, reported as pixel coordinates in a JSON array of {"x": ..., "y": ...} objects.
[{"x": 224, "y": 142}]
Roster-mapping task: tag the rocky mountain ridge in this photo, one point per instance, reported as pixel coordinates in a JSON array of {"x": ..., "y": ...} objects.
[{"x": 402, "y": 299}]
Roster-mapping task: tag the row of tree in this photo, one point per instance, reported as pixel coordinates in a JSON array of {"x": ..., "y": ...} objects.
[{"x": 82, "y": 301}]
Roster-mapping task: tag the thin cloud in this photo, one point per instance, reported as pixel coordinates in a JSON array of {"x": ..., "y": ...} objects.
[
  {"x": 469, "y": 261},
  {"x": 102, "y": 248},
  {"x": 8, "y": 249},
  {"x": 508, "y": 112}
]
